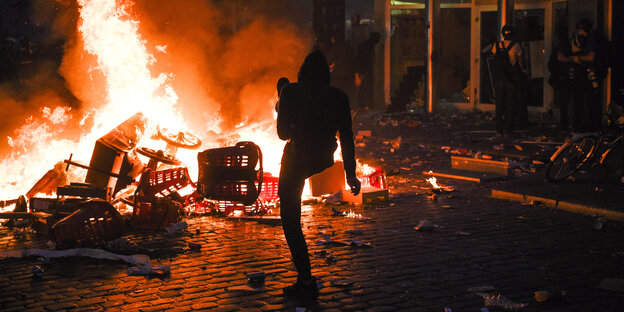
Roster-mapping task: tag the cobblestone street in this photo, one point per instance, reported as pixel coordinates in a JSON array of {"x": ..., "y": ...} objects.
[{"x": 480, "y": 249}]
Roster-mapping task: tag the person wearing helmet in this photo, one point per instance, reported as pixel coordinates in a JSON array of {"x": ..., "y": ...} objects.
[{"x": 508, "y": 71}]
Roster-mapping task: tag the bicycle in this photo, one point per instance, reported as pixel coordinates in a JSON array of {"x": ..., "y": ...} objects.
[{"x": 586, "y": 151}]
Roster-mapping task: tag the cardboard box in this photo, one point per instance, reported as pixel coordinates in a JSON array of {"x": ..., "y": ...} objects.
[
  {"x": 368, "y": 195},
  {"x": 330, "y": 181}
]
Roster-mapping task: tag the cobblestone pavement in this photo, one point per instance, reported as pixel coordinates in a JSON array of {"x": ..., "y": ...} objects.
[{"x": 481, "y": 247}]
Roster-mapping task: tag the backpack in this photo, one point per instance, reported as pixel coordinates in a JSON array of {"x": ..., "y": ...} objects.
[{"x": 503, "y": 70}]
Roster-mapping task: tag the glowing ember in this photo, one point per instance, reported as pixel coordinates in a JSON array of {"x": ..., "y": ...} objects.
[{"x": 433, "y": 182}]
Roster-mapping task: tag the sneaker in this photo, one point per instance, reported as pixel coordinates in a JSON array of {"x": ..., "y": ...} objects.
[{"x": 308, "y": 289}]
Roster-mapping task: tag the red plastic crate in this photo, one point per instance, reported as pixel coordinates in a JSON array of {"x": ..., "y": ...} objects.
[
  {"x": 269, "y": 188},
  {"x": 95, "y": 222},
  {"x": 376, "y": 179},
  {"x": 227, "y": 207},
  {"x": 163, "y": 183}
]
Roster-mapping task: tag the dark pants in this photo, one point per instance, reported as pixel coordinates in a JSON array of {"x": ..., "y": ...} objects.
[
  {"x": 291, "y": 182},
  {"x": 505, "y": 96},
  {"x": 587, "y": 109},
  {"x": 564, "y": 102}
]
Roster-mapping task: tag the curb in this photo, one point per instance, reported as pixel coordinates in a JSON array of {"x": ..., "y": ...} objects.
[{"x": 559, "y": 204}]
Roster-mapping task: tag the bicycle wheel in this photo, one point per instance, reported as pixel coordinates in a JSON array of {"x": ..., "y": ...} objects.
[
  {"x": 613, "y": 158},
  {"x": 570, "y": 158}
]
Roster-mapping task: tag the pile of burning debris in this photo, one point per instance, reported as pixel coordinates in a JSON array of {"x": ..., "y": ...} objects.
[{"x": 120, "y": 191}]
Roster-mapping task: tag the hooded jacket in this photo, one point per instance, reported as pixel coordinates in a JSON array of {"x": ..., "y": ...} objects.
[{"x": 311, "y": 113}]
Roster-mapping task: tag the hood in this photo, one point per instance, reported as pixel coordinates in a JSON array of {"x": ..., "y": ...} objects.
[{"x": 314, "y": 69}]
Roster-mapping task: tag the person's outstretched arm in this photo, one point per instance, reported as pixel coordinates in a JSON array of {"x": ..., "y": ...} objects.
[{"x": 346, "y": 143}]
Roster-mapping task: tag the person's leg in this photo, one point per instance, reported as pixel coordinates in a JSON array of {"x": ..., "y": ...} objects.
[
  {"x": 510, "y": 106},
  {"x": 290, "y": 188},
  {"x": 578, "y": 97},
  {"x": 564, "y": 100},
  {"x": 595, "y": 110},
  {"x": 499, "y": 98}
]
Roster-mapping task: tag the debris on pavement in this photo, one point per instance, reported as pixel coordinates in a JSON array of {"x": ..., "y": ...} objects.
[
  {"x": 493, "y": 299},
  {"x": 172, "y": 228},
  {"x": 612, "y": 284},
  {"x": 337, "y": 213},
  {"x": 256, "y": 277},
  {"x": 246, "y": 288},
  {"x": 599, "y": 223},
  {"x": 334, "y": 198},
  {"x": 137, "y": 259},
  {"x": 341, "y": 282},
  {"x": 357, "y": 243},
  {"x": 194, "y": 246},
  {"x": 425, "y": 226},
  {"x": 37, "y": 271},
  {"x": 545, "y": 295},
  {"x": 147, "y": 269}
]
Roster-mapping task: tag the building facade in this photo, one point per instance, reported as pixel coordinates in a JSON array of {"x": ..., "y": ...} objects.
[{"x": 465, "y": 30}]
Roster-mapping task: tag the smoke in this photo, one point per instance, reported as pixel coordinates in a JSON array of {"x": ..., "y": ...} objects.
[
  {"x": 29, "y": 80},
  {"x": 225, "y": 57}
]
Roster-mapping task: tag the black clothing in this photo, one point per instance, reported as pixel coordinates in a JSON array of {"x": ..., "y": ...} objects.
[
  {"x": 505, "y": 97},
  {"x": 310, "y": 114}
]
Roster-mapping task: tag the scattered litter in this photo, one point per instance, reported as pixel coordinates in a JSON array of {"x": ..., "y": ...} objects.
[
  {"x": 194, "y": 246},
  {"x": 342, "y": 282},
  {"x": 245, "y": 288},
  {"x": 76, "y": 252},
  {"x": 464, "y": 233},
  {"x": 612, "y": 284},
  {"x": 518, "y": 147},
  {"x": 172, "y": 228},
  {"x": 425, "y": 225},
  {"x": 433, "y": 196},
  {"x": 544, "y": 295},
  {"x": 364, "y": 133},
  {"x": 37, "y": 271},
  {"x": 337, "y": 213},
  {"x": 357, "y": 243},
  {"x": 492, "y": 299},
  {"x": 147, "y": 269},
  {"x": 599, "y": 223},
  {"x": 537, "y": 162},
  {"x": 447, "y": 206},
  {"x": 323, "y": 226},
  {"x": 334, "y": 198},
  {"x": 522, "y": 166},
  {"x": 498, "y": 147},
  {"x": 256, "y": 277}
]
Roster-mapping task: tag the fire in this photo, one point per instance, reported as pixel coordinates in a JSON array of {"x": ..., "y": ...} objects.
[
  {"x": 433, "y": 182},
  {"x": 109, "y": 32}
]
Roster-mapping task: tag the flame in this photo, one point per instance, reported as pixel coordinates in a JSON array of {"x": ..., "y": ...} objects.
[
  {"x": 110, "y": 33},
  {"x": 433, "y": 182}
]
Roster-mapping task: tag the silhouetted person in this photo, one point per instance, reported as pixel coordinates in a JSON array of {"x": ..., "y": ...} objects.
[
  {"x": 365, "y": 69},
  {"x": 508, "y": 73},
  {"x": 310, "y": 114},
  {"x": 583, "y": 79},
  {"x": 280, "y": 84},
  {"x": 560, "y": 81}
]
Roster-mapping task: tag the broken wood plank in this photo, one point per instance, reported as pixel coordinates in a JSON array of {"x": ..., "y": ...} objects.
[
  {"x": 464, "y": 175},
  {"x": 480, "y": 165}
]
